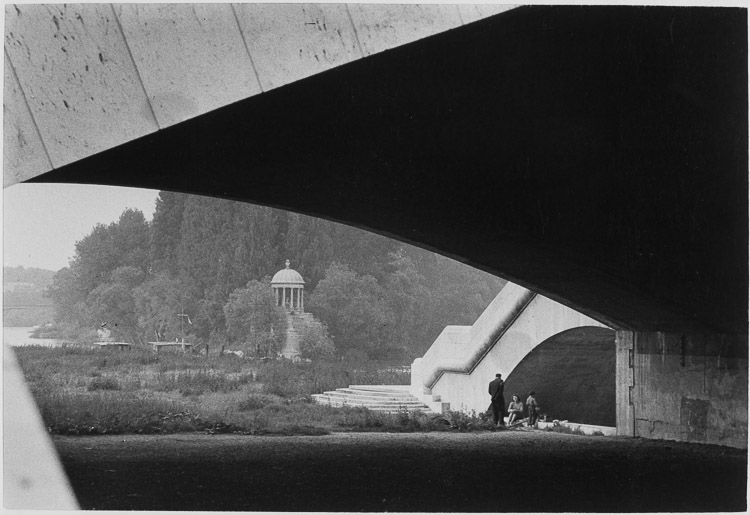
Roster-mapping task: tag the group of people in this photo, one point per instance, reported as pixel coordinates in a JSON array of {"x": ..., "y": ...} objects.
[{"x": 515, "y": 408}]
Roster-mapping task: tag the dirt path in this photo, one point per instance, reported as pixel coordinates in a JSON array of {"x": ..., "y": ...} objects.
[{"x": 434, "y": 472}]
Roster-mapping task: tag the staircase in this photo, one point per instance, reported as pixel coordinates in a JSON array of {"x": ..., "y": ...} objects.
[
  {"x": 385, "y": 398},
  {"x": 295, "y": 323}
]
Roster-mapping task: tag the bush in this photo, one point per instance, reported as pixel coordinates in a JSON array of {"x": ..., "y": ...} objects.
[
  {"x": 115, "y": 413},
  {"x": 103, "y": 383},
  {"x": 315, "y": 343},
  {"x": 468, "y": 422},
  {"x": 255, "y": 402},
  {"x": 197, "y": 382}
]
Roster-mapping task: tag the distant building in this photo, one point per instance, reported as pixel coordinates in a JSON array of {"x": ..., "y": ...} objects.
[
  {"x": 289, "y": 288},
  {"x": 17, "y": 285}
]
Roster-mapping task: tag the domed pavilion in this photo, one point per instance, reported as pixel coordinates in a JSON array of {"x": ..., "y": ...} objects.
[{"x": 289, "y": 288}]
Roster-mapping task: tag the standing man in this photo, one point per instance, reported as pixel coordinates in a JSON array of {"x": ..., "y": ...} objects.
[{"x": 497, "y": 386}]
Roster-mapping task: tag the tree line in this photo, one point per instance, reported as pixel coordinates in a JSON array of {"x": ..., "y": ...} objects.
[{"x": 210, "y": 261}]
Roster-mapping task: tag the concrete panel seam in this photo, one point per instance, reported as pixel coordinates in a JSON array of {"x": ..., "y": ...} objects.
[
  {"x": 354, "y": 30},
  {"x": 460, "y": 18},
  {"x": 28, "y": 107},
  {"x": 247, "y": 48},
  {"x": 135, "y": 65}
]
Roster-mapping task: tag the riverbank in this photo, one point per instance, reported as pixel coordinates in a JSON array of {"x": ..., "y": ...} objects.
[
  {"x": 84, "y": 391},
  {"x": 21, "y": 337},
  {"x": 424, "y": 472}
]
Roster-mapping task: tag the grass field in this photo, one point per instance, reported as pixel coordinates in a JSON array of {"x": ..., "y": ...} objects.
[{"x": 81, "y": 391}]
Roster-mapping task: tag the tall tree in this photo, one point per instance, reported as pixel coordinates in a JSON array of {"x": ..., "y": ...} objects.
[
  {"x": 108, "y": 261},
  {"x": 113, "y": 303},
  {"x": 410, "y": 301},
  {"x": 309, "y": 244},
  {"x": 159, "y": 304},
  {"x": 355, "y": 310},
  {"x": 166, "y": 230},
  {"x": 254, "y": 319}
]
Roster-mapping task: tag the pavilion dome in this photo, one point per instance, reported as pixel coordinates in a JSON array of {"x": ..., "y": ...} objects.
[{"x": 287, "y": 277}]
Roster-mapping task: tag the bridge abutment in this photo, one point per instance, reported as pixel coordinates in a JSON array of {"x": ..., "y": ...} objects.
[{"x": 686, "y": 387}]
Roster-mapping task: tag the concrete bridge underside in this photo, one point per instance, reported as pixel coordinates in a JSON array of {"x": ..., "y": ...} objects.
[{"x": 595, "y": 154}]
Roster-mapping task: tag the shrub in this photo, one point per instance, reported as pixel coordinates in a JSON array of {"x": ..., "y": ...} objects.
[
  {"x": 255, "y": 402},
  {"x": 103, "y": 383},
  {"x": 468, "y": 422}
]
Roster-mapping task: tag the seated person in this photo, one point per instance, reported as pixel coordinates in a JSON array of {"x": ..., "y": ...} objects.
[{"x": 515, "y": 410}]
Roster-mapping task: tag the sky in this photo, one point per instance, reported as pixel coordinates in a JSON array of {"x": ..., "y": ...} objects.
[{"x": 42, "y": 222}]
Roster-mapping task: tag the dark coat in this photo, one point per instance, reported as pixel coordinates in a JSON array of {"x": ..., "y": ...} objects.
[{"x": 497, "y": 387}]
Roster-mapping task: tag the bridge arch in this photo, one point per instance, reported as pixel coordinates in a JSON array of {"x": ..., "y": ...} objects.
[
  {"x": 573, "y": 374},
  {"x": 462, "y": 361},
  {"x": 597, "y": 155}
]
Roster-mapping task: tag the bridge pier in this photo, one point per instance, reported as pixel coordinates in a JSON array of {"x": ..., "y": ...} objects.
[{"x": 687, "y": 387}]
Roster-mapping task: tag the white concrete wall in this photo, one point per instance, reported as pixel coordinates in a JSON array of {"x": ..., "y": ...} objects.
[
  {"x": 542, "y": 319},
  {"x": 33, "y": 478},
  {"x": 450, "y": 348},
  {"x": 83, "y": 78},
  {"x": 462, "y": 361},
  {"x": 454, "y": 354}
]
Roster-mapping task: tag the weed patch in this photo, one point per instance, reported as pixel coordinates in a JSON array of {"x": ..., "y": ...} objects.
[
  {"x": 103, "y": 383},
  {"x": 83, "y": 391}
]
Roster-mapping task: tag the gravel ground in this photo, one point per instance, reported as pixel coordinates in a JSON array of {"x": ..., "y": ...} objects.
[{"x": 508, "y": 471}]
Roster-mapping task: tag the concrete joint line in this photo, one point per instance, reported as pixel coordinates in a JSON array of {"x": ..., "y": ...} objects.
[
  {"x": 247, "y": 48},
  {"x": 135, "y": 65},
  {"x": 28, "y": 107},
  {"x": 354, "y": 30}
]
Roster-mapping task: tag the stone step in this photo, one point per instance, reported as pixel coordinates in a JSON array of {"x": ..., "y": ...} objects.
[
  {"x": 373, "y": 393},
  {"x": 360, "y": 401},
  {"x": 386, "y": 398},
  {"x": 385, "y": 407},
  {"x": 382, "y": 387},
  {"x": 366, "y": 402}
]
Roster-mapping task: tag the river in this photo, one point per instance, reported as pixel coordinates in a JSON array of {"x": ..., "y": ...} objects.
[{"x": 21, "y": 336}]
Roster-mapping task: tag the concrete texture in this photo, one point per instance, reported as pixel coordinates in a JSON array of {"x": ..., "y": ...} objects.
[
  {"x": 690, "y": 387},
  {"x": 471, "y": 13},
  {"x": 24, "y": 155},
  {"x": 624, "y": 383},
  {"x": 191, "y": 57},
  {"x": 99, "y": 75},
  {"x": 383, "y": 26},
  {"x": 33, "y": 478},
  {"x": 80, "y": 82},
  {"x": 289, "y": 42}
]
